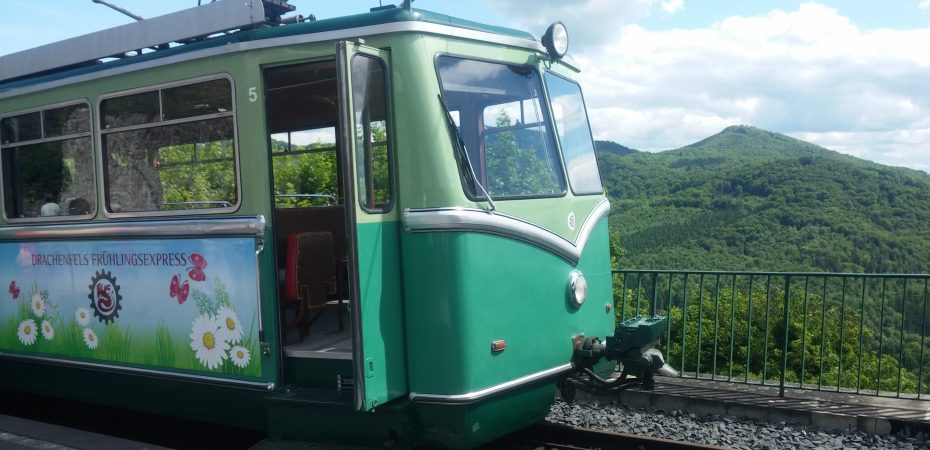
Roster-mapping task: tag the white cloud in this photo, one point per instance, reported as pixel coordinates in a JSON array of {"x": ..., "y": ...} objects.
[
  {"x": 24, "y": 257},
  {"x": 673, "y": 6},
  {"x": 903, "y": 148},
  {"x": 810, "y": 73},
  {"x": 924, "y": 4},
  {"x": 589, "y": 22}
]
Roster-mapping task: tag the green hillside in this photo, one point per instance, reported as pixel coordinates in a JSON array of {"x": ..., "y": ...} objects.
[
  {"x": 613, "y": 147},
  {"x": 749, "y": 199}
]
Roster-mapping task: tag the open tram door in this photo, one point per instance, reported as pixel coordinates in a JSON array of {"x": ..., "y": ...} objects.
[{"x": 373, "y": 225}]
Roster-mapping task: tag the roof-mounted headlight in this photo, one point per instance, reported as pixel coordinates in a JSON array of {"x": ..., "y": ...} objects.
[{"x": 556, "y": 40}]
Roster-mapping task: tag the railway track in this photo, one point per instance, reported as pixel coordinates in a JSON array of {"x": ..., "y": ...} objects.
[
  {"x": 546, "y": 436},
  {"x": 194, "y": 435}
]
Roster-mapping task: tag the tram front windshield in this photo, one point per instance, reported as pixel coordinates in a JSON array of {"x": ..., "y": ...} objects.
[{"x": 507, "y": 131}]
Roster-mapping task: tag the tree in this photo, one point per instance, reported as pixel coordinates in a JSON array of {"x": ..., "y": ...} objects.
[{"x": 517, "y": 160}]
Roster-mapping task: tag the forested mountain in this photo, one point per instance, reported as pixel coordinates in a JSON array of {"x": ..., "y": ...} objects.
[
  {"x": 613, "y": 147},
  {"x": 749, "y": 199}
]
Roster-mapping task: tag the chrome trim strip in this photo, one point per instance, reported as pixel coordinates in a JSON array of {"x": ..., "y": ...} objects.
[
  {"x": 241, "y": 226},
  {"x": 600, "y": 211},
  {"x": 410, "y": 26},
  {"x": 254, "y": 385},
  {"x": 481, "y": 221},
  {"x": 259, "y": 247},
  {"x": 491, "y": 391}
]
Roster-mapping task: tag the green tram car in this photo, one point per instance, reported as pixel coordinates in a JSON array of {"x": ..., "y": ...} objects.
[{"x": 382, "y": 228}]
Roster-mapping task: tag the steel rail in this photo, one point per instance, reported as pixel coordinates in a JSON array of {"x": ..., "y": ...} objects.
[{"x": 553, "y": 436}]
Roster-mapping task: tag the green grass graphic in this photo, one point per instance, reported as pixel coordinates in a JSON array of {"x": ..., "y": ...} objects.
[
  {"x": 115, "y": 344},
  {"x": 164, "y": 350},
  {"x": 122, "y": 345}
]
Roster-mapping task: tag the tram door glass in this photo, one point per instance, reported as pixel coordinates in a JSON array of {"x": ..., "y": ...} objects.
[
  {"x": 371, "y": 133},
  {"x": 505, "y": 126},
  {"x": 571, "y": 123},
  {"x": 48, "y": 164},
  {"x": 170, "y": 149}
]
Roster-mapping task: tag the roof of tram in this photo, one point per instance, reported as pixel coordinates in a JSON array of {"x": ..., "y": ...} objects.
[{"x": 376, "y": 17}]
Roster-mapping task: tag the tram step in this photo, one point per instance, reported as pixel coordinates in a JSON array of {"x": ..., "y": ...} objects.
[
  {"x": 314, "y": 397},
  {"x": 325, "y": 416},
  {"x": 322, "y": 374}
]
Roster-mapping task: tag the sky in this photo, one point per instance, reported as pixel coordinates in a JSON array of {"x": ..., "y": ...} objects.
[{"x": 848, "y": 75}]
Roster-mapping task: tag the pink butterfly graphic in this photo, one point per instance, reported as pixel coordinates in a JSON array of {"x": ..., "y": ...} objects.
[
  {"x": 14, "y": 290},
  {"x": 179, "y": 290},
  {"x": 196, "y": 273}
]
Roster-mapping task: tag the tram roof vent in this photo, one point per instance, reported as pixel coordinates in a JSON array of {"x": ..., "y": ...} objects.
[{"x": 155, "y": 33}]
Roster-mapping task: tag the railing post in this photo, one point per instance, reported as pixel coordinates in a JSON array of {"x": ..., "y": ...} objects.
[
  {"x": 784, "y": 349},
  {"x": 655, "y": 293},
  {"x": 623, "y": 290}
]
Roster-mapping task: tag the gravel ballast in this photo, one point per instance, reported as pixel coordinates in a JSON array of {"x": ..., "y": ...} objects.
[{"x": 721, "y": 430}]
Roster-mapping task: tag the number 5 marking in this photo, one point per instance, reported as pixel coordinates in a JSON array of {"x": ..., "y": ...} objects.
[{"x": 253, "y": 95}]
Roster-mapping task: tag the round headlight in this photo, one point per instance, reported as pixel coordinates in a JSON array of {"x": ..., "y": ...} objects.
[
  {"x": 578, "y": 287},
  {"x": 556, "y": 40}
]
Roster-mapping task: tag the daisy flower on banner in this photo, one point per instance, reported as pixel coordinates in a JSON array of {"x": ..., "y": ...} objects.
[
  {"x": 27, "y": 332},
  {"x": 230, "y": 327},
  {"x": 240, "y": 356},
  {"x": 90, "y": 338},
  {"x": 48, "y": 331},
  {"x": 83, "y": 316},
  {"x": 207, "y": 341},
  {"x": 38, "y": 305}
]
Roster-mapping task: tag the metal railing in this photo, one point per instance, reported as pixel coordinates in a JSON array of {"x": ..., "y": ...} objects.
[{"x": 843, "y": 332}]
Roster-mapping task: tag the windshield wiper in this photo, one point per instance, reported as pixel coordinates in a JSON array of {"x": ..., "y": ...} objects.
[{"x": 462, "y": 153}]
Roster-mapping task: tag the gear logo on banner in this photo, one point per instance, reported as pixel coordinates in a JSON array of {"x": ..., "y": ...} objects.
[{"x": 105, "y": 297}]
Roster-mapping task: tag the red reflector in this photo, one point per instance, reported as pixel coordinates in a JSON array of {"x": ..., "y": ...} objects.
[{"x": 498, "y": 345}]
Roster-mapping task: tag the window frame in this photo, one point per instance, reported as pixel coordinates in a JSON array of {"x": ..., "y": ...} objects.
[
  {"x": 558, "y": 137},
  {"x": 101, "y": 132},
  {"x": 337, "y": 148},
  {"x": 550, "y": 128},
  {"x": 93, "y": 155}
]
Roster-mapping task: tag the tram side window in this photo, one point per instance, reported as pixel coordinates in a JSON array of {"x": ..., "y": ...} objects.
[
  {"x": 507, "y": 132},
  {"x": 302, "y": 116},
  {"x": 170, "y": 149},
  {"x": 372, "y": 133},
  {"x": 48, "y": 163}
]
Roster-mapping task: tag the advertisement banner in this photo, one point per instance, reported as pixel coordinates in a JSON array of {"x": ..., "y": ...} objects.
[{"x": 178, "y": 304}]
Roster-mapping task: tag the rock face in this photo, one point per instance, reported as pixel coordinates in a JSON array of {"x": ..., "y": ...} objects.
[
  {"x": 723, "y": 431},
  {"x": 79, "y": 184},
  {"x": 134, "y": 159},
  {"x": 132, "y": 176}
]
